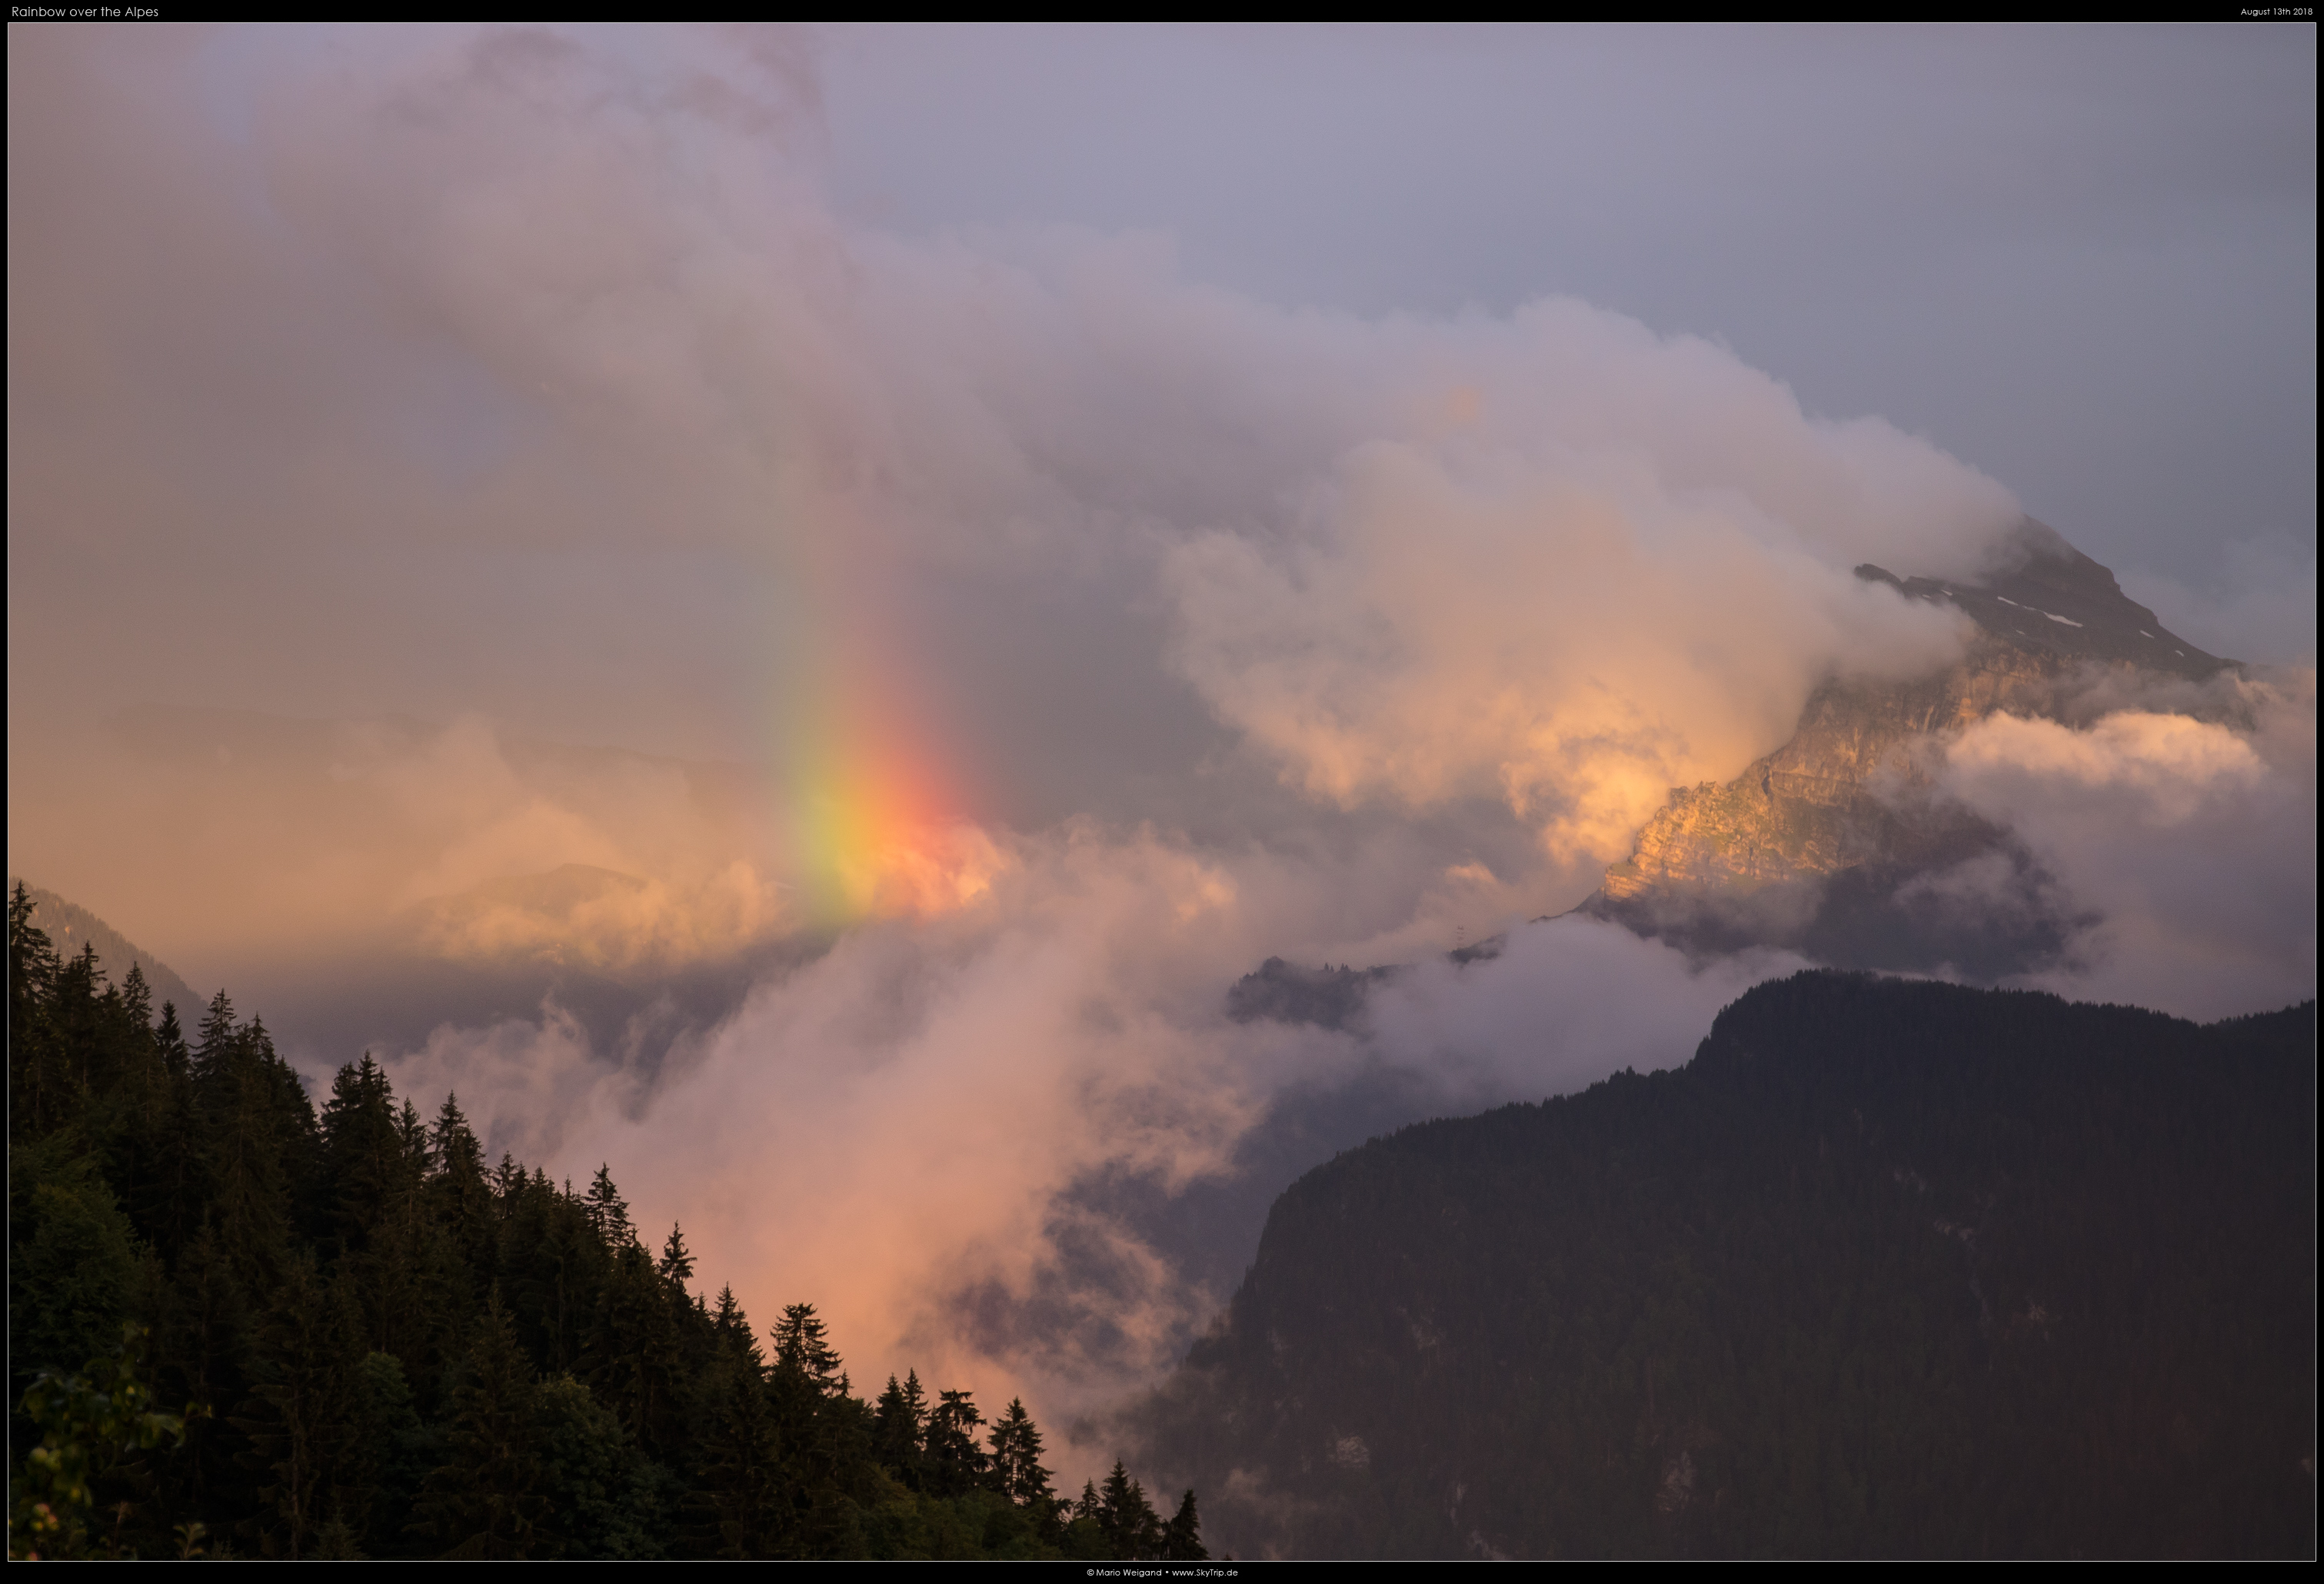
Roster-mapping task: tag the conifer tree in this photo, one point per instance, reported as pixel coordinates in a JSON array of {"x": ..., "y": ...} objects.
[
  {"x": 509, "y": 1181},
  {"x": 35, "y": 1076},
  {"x": 609, "y": 1212},
  {"x": 631, "y": 1342},
  {"x": 32, "y": 959},
  {"x": 742, "y": 1477},
  {"x": 170, "y": 1039},
  {"x": 363, "y": 1154},
  {"x": 802, "y": 1350},
  {"x": 1181, "y": 1538},
  {"x": 290, "y": 1116},
  {"x": 407, "y": 1266},
  {"x": 360, "y": 1317},
  {"x": 249, "y": 1155},
  {"x": 300, "y": 1417},
  {"x": 412, "y": 1133},
  {"x": 677, "y": 1266},
  {"x": 79, "y": 982},
  {"x": 728, "y": 1316},
  {"x": 954, "y": 1462},
  {"x": 466, "y": 1205},
  {"x": 167, "y": 1186},
  {"x": 898, "y": 1426},
  {"x": 137, "y": 997},
  {"x": 453, "y": 1143},
  {"x": 219, "y": 1038},
  {"x": 826, "y": 1433},
  {"x": 1131, "y": 1526},
  {"x": 1016, "y": 1462},
  {"x": 481, "y": 1502}
]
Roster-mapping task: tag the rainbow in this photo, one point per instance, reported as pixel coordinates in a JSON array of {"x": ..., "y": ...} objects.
[
  {"x": 868, "y": 820},
  {"x": 871, "y": 823}
]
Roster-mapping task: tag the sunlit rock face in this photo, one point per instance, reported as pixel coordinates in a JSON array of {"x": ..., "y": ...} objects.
[{"x": 1840, "y": 843}]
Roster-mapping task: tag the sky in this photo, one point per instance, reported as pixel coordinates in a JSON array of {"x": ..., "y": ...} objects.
[
  {"x": 786, "y": 610},
  {"x": 2082, "y": 259}
]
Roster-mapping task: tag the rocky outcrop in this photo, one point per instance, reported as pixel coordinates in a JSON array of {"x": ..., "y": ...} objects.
[
  {"x": 1829, "y": 799},
  {"x": 1818, "y": 844}
]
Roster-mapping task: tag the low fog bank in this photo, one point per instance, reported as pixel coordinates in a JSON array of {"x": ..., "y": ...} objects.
[{"x": 1030, "y": 1147}]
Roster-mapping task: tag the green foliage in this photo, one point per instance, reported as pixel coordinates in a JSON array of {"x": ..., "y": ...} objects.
[
  {"x": 742, "y": 1484},
  {"x": 73, "y": 1260},
  {"x": 1129, "y": 1521},
  {"x": 1016, "y": 1462},
  {"x": 412, "y": 1353},
  {"x": 485, "y": 1500},
  {"x": 399, "y": 1450},
  {"x": 303, "y": 1417},
  {"x": 88, "y": 1422},
  {"x": 954, "y": 1461},
  {"x": 604, "y": 1498},
  {"x": 899, "y": 1422},
  {"x": 904, "y": 1526}
]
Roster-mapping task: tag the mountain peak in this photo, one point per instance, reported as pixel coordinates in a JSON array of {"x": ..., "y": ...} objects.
[
  {"x": 1805, "y": 849},
  {"x": 2044, "y": 595}
]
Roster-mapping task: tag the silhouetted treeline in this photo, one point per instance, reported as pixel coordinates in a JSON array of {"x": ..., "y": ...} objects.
[
  {"x": 381, "y": 1344},
  {"x": 1889, "y": 1269}
]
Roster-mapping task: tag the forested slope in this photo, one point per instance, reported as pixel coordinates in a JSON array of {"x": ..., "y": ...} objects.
[
  {"x": 238, "y": 1325},
  {"x": 71, "y": 926},
  {"x": 1890, "y": 1269}
]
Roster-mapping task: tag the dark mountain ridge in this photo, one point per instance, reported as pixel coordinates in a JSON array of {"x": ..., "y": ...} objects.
[{"x": 1889, "y": 1268}]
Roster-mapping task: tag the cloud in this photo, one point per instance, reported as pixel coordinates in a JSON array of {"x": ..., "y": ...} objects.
[
  {"x": 561, "y": 390},
  {"x": 524, "y": 1086},
  {"x": 896, "y": 1120},
  {"x": 2191, "y": 842},
  {"x": 913, "y": 1129},
  {"x": 2258, "y": 605},
  {"x": 1571, "y": 634},
  {"x": 1563, "y": 1003},
  {"x": 257, "y": 844}
]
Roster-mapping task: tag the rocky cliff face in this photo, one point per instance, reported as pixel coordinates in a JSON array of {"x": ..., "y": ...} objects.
[{"x": 1819, "y": 845}]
